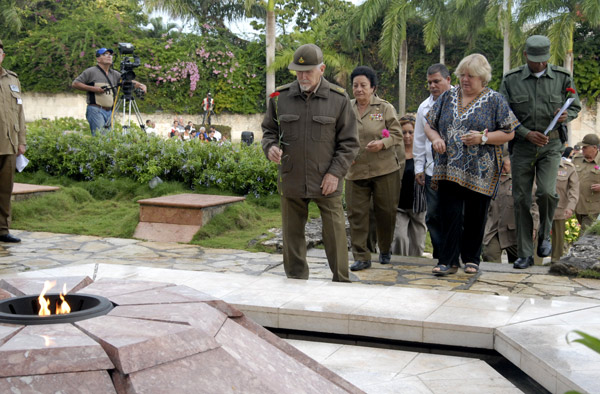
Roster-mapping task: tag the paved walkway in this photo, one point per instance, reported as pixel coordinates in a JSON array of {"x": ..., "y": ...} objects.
[{"x": 40, "y": 250}]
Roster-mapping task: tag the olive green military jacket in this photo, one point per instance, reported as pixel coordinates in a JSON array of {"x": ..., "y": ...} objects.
[
  {"x": 567, "y": 188},
  {"x": 379, "y": 115},
  {"x": 12, "y": 118},
  {"x": 589, "y": 174},
  {"x": 316, "y": 133},
  {"x": 534, "y": 100}
]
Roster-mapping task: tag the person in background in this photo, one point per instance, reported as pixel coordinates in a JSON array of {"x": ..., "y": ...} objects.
[
  {"x": 174, "y": 129},
  {"x": 208, "y": 105},
  {"x": 100, "y": 82},
  {"x": 186, "y": 136},
  {"x": 310, "y": 131},
  {"x": 202, "y": 137},
  {"x": 438, "y": 81},
  {"x": 467, "y": 127},
  {"x": 202, "y": 131},
  {"x": 216, "y": 133},
  {"x": 535, "y": 92},
  {"x": 587, "y": 165},
  {"x": 567, "y": 188},
  {"x": 410, "y": 230},
  {"x": 13, "y": 142},
  {"x": 374, "y": 173},
  {"x": 150, "y": 127}
]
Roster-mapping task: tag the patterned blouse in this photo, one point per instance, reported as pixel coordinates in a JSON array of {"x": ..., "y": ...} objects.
[{"x": 475, "y": 167}]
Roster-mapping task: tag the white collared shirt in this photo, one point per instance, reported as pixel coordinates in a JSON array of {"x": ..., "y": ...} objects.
[{"x": 422, "y": 150}]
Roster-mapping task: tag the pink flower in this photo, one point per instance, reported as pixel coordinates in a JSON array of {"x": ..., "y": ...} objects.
[
  {"x": 385, "y": 133},
  {"x": 596, "y": 167}
]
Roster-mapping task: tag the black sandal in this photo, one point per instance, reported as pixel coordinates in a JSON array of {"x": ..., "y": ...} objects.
[
  {"x": 474, "y": 268},
  {"x": 443, "y": 270}
]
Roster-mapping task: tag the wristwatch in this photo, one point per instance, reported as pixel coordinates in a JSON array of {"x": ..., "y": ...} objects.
[{"x": 484, "y": 136}]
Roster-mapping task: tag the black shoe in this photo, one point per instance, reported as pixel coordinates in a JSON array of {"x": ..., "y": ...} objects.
[
  {"x": 544, "y": 247},
  {"x": 9, "y": 238},
  {"x": 523, "y": 262},
  {"x": 360, "y": 265},
  {"x": 384, "y": 258}
]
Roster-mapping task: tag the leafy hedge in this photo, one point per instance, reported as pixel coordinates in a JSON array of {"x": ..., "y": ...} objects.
[{"x": 65, "y": 147}]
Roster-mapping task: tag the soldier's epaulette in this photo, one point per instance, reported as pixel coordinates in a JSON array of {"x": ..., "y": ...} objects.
[
  {"x": 560, "y": 69},
  {"x": 515, "y": 70},
  {"x": 567, "y": 163},
  {"x": 14, "y": 74},
  {"x": 283, "y": 87},
  {"x": 337, "y": 89}
]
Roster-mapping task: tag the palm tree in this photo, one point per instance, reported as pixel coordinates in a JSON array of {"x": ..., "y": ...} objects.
[
  {"x": 557, "y": 19},
  {"x": 392, "y": 41},
  {"x": 159, "y": 28},
  {"x": 439, "y": 14}
]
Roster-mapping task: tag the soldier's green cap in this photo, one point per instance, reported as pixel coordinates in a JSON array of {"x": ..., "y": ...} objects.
[
  {"x": 307, "y": 57},
  {"x": 590, "y": 140},
  {"x": 538, "y": 49}
]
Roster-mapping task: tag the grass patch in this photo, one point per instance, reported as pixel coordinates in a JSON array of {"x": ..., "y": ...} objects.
[
  {"x": 594, "y": 228},
  {"x": 108, "y": 208},
  {"x": 589, "y": 273}
]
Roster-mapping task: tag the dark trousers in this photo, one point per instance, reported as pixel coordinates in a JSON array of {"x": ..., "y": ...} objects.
[
  {"x": 7, "y": 174},
  {"x": 432, "y": 218},
  {"x": 463, "y": 213}
]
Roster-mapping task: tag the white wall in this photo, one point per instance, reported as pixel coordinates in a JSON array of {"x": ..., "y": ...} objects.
[{"x": 60, "y": 105}]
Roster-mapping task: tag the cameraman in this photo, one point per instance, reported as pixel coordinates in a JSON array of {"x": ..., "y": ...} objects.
[{"x": 100, "y": 82}]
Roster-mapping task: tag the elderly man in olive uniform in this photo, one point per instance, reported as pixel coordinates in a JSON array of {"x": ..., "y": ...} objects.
[
  {"x": 310, "y": 131},
  {"x": 567, "y": 188},
  {"x": 535, "y": 92},
  {"x": 587, "y": 164},
  {"x": 12, "y": 141}
]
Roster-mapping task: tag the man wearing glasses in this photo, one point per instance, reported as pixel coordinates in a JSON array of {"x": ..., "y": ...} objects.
[{"x": 100, "y": 82}]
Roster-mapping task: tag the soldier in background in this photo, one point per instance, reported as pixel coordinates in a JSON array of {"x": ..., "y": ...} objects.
[
  {"x": 567, "y": 188},
  {"x": 12, "y": 141},
  {"x": 587, "y": 165}
]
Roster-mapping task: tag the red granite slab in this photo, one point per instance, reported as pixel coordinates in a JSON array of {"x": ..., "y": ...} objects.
[
  {"x": 166, "y": 295},
  {"x": 190, "y": 200},
  {"x": 51, "y": 348},
  {"x": 7, "y": 331},
  {"x": 24, "y": 286},
  {"x": 214, "y": 371},
  {"x": 164, "y": 232},
  {"x": 25, "y": 188},
  {"x": 267, "y": 362},
  {"x": 97, "y": 382},
  {"x": 195, "y": 314},
  {"x": 107, "y": 287},
  {"x": 136, "y": 344},
  {"x": 5, "y": 294}
]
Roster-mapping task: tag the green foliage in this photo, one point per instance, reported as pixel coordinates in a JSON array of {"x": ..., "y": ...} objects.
[
  {"x": 237, "y": 169},
  {"x": 594, "y": 228},
  {"x": 585, "y": 68}
]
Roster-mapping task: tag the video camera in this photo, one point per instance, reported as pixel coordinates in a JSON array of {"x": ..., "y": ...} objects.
[{"x": 128, "y": 63}]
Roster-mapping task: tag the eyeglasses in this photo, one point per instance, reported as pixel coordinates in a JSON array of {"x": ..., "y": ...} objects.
[{"x": 409, "y": 118}]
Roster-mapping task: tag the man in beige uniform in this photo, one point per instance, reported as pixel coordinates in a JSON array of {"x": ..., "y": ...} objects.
[
  {"x": 309, "y": 129},
  {"x": 12, "y": 141},
  {"x": 587, "y": 165},
  {"x": 567, "y": 188}
]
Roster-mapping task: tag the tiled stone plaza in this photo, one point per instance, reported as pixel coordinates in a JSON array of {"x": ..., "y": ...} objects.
[{"x": 523, "y": 315}]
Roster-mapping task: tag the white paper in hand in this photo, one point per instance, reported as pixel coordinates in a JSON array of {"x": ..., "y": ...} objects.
[{"x": 22, "y": 162}]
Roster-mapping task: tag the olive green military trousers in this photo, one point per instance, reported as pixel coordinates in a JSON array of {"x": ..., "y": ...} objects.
[
  {"x": 7, "y": 173},
  {"x": 530, "y": 163},
  {"x": 294, "y": 214}
]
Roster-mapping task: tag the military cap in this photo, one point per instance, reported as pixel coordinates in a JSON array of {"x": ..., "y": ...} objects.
[
  {"x": 307, "y": 57},
  {"x": 538, "y": 49},
  {"x": 590, "y": 139}
]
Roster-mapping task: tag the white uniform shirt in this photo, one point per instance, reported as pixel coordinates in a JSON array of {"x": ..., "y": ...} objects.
[{"x": 422, "y": 146}]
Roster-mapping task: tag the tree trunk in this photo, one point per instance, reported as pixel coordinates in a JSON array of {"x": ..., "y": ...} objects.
[
  {"x": 568, "y": 63},
  {"x": 402, "y": 65},
  {"x": 270, "y": 39},
  {"x": 506, "y": 51},
  {"x": 442, "y": 50}
]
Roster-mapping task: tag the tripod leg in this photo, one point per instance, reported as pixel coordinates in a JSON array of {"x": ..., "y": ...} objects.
[{"x": 138, "y": 114}]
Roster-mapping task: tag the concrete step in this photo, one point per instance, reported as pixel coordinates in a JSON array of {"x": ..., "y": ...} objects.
[{"x": 22, "y": 191}]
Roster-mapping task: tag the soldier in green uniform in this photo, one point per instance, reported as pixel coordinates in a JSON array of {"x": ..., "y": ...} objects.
[
  {"x": 309, "y": 129},
  {"x": 587, "y": 164},
  {"x": 12, "y": 141},
  {"x": 535, "y": 92}
]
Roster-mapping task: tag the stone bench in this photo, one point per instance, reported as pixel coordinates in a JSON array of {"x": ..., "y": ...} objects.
[
  {"x": 178, "y": 217},
  {"x": 22, "y": 191}
]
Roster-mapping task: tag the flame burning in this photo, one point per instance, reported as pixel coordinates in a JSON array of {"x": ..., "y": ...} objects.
[{"x": 63, "y": 308}]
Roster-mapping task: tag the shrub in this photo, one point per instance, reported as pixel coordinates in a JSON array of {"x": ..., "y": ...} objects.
[{"x": 65, "y": 148}]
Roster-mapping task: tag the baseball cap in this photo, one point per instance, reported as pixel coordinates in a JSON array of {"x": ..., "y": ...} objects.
[
  {"x": 590, "y": 139},
  {"x": 307, "y": 57},
  {"x": 101, "y": 51},
  {"x": 538, "y": 49}
]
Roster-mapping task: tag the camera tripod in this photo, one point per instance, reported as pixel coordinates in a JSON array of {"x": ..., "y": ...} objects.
[{"x": 127, "y": 102}]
